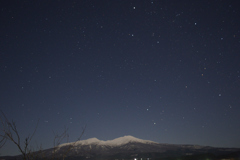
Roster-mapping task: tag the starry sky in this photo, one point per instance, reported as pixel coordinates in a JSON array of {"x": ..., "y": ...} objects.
[{"x": 160, "y": 70}]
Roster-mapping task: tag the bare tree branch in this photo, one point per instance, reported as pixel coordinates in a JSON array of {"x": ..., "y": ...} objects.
[
  {"x": 9, "y": 132},
  {"x": 71, "y": 146}
]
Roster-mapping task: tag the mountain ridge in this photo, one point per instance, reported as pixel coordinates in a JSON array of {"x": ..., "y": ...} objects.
[{"x": 115, "y": 142}]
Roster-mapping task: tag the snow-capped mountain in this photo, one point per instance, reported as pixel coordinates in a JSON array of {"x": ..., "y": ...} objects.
[
  {"x": 114, "y": 142},
  {"x": 127, "y": 148}
]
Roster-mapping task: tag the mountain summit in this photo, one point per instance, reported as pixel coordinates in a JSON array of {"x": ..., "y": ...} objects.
[{"x": 127, "y": 139}]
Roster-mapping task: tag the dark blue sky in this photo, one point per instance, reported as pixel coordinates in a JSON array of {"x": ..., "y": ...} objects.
[{"x": 166, "y": 71}]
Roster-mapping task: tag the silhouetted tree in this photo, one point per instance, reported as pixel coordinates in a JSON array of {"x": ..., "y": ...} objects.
[{"x": 9, "y": 132}]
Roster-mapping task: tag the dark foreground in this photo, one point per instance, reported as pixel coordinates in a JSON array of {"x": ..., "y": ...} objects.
[{"x": 144, "y": 156}]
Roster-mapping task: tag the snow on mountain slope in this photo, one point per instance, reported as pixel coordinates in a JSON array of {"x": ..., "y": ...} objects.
[
  {"x": 128, "y": 146},
  {"x": 114, "y": 142},
  {"x": 125, "y": 140},
  {"x": 89, "y": 141}
]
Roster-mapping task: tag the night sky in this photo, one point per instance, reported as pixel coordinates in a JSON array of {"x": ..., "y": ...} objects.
[{"x": 160, "y": 70}]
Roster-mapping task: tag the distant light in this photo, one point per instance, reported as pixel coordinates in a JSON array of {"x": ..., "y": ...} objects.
[{"x": 134, "y": 7}]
